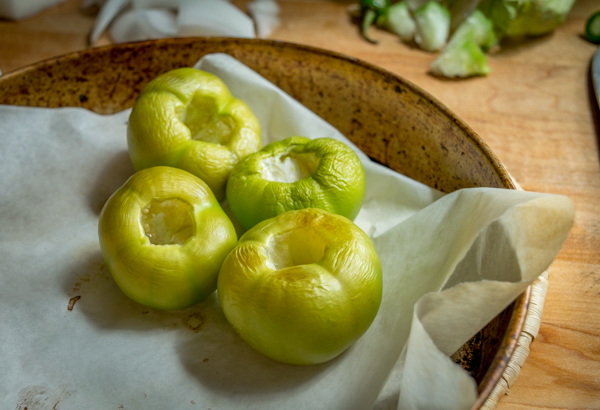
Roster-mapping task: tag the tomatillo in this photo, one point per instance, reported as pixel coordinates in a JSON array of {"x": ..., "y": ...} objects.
[
  {"x": 293, "y": 174},
  {"x": 188, "y": 119},
  {"x": 164, "y": 237},
  {"x": 301, "y": 287}
]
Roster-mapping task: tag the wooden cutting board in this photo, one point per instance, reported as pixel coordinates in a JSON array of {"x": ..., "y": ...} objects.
[{"x": 537, "y": 111}]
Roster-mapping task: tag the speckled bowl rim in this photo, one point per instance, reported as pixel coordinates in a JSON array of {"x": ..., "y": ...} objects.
[{"x": 521, "y": 304}]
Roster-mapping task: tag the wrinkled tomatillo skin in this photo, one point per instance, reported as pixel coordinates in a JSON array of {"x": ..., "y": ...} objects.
[
  {"x": 327, "y": 175},
  {"x": 164, "y": 237},
  {"x": 301, "y": 287},
  {"x": 188, "y": 119}
]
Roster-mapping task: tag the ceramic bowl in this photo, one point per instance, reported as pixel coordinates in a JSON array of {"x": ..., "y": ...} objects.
[{"x": 393, "y": 121}]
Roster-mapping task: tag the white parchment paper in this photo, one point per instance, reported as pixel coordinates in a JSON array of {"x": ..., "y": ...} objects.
[{"x": 70, "y": 339}]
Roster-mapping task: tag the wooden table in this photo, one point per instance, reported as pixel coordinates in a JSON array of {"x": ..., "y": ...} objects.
[{"x": 537, "y": 111}]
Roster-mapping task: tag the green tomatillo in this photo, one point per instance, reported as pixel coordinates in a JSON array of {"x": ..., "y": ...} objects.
[
  {"x": 301, "y": 287},
  {"x": 296, "y": 173},
  {"x": 188, "y": 119},
  {"x": 164, "y": 237}
]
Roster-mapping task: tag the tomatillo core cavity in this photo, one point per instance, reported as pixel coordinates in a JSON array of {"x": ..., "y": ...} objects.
[
  {"x": 188, "y": 119},
  {"x": 301, "y": 287},
  {"x": 164, "y": 237},
  {"x": 293, "y": 174}
]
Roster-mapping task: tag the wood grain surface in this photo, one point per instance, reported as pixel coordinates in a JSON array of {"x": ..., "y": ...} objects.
[{"x": 538, "y": 112}]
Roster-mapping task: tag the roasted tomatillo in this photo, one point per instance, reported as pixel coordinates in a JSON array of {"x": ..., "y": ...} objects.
[
  {"x": 296, "y": 173},
  {"x": 301, "y": 287},
  {"x": 188, "y": 119},
  {"x": 164, "y": 237}
]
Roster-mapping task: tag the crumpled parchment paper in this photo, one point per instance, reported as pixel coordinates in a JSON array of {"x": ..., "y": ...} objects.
[
  {"x": 70, "y": 339},
  {"x": 135, "y": 20}
]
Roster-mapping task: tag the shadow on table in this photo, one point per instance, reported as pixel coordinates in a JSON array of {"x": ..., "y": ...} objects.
[
  {"x": 594, "y": 108},
  {"x": 510, "y": 46}
]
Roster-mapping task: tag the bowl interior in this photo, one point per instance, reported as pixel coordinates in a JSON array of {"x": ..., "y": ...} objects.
[{"x": 391, "y": 120}]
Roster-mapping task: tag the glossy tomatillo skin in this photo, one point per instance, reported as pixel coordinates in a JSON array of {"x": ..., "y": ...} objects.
[
  {"x": 181, "y": 271},
  {"x": 301, "y": 287},
  {"x": 188, "y": 119},
  {"x": 333, "y": 180}
]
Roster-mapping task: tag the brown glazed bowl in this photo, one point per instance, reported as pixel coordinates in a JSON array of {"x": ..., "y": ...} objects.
[{"x": 393, "y": 121}]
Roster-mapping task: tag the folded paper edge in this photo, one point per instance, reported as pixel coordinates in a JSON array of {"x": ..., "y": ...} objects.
[
  {"x": 489, "y": 397},
  {"x": 529, "y": 332}
]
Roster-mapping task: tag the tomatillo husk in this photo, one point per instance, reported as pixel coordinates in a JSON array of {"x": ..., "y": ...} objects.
[
  {"x": 301, "y": 287},
  {"x": 293, "y": 174},
  {"x": 188, "y": 119},
  {"x": 164, "y": 237}
]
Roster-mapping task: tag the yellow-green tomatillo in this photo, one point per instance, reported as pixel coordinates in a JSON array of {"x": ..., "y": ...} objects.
[
  {"x": 301, "y": 287},
  {"x": 164, "y": 237},
  {"x": 296, "y": 173},
  {"x": 188, "y": 119}
]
